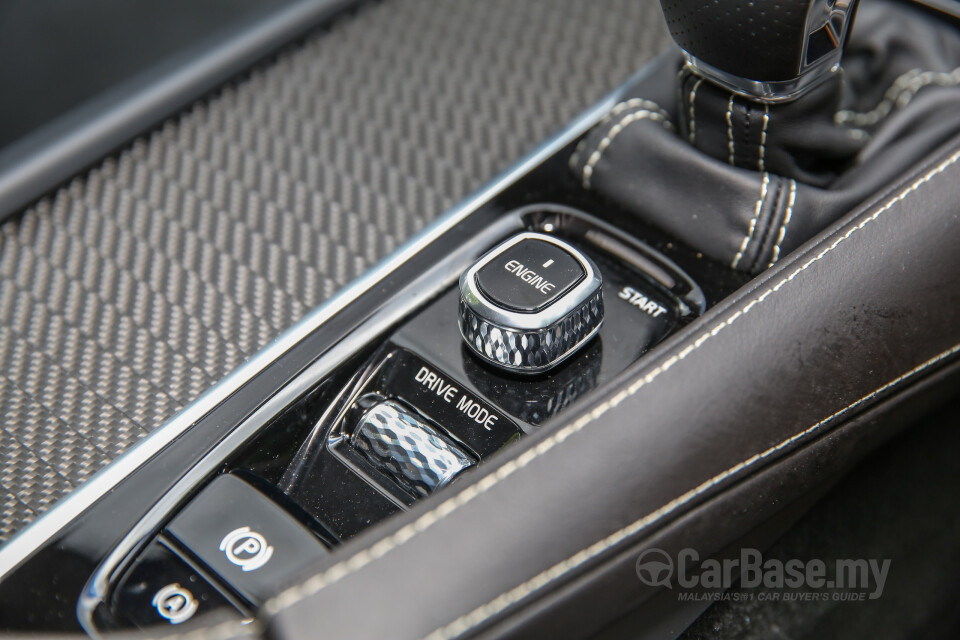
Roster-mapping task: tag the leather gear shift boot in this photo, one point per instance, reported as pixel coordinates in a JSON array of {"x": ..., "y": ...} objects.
[
  {"x": 744, "y": 182},
  {"x": 797, "y": 139}
]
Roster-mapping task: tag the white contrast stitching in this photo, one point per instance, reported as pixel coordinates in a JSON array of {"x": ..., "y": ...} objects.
[
  {"x": 753, "y": 221},
  {"x": 898, "y": 95},
  {"x": 762, "y": 151},
  {"x": 867, "y": 118},
  {"x": 858, "y": 134},
  {"x": 635, "y": 116},
  {"x": 478, "y": 615},
  {"x": 575, "y": 156},
  {"x": 693, "y": 115},
  {"x": 730, "y": 130},
  {"x": 786, "y": 221},
  {"x": 620, "y": 107},
  {"x": 362, "y": 558},
  {"x": 617, "y": 109}
]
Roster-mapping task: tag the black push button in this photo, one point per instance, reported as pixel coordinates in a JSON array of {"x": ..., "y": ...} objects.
[
  {"x": 529, "y": 276},
  {"x": 245, "y": 538},
  {"x": 160, "y": 589}
]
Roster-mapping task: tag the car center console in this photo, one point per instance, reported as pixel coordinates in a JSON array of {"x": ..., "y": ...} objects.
[
  {"x": 559, "y": 305},
  {"x": 506, "y": 317},
  {"x": 521, "y": 305}
]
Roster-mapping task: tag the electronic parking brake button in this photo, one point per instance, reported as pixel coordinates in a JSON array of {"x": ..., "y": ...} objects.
[
  {"x": 529, "y": 275},
  {"x": 530, "y": 303},
  {"x": 245, "y": 538}
]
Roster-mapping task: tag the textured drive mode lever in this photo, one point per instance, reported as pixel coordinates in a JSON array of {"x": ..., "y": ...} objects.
[
  {"x": 404, "y": 446},
  {"x": 768, "y": 51},
  {"x": 530, "y": 303}
]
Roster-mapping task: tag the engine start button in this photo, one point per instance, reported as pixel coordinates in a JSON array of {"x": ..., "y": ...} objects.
[
  {"x": 530, "y": 303},
  {"x": 529, "y": 276}
]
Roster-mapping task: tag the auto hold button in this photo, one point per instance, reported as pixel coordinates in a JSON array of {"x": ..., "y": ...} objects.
[
  {"x": 529, "y": 275},
  {"x": 160, "y": 588},
  {"x": 245, "y": 538}
]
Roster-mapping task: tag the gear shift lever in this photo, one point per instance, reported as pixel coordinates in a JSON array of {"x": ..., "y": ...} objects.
[
  {"x": 767, "y": 51},
  {"x": 772, "y": 83},
  {"x": 743, "y": 155}
]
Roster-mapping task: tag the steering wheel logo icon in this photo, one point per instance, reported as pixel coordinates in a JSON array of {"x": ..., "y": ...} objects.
[{"x": 655, "y": 568}]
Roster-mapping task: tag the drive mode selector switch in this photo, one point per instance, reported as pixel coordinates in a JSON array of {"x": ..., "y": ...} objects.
[{"x": 530, "y": 303}]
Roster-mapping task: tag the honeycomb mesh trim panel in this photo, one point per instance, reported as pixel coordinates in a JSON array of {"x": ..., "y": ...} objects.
[{"x": 129, "y": 291}]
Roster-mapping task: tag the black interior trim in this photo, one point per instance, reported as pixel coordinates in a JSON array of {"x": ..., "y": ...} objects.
[{"x": 52, "y": 154}]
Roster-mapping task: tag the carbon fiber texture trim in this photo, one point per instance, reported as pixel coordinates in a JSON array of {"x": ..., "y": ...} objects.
[{"x": 132, "y": 289}]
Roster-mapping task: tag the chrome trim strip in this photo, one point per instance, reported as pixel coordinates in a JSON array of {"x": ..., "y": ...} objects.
[{"x": 31, "y": 538}]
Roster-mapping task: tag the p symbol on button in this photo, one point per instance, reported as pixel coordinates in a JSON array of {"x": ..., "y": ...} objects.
[{"x": 245, "y": 548}]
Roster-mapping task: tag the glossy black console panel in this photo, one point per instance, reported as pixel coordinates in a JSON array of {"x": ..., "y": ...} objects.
[
  {"x": 425, "y": 366},
  {"x": 268, "y": 426},
  {"x": 453, "y": 401}
]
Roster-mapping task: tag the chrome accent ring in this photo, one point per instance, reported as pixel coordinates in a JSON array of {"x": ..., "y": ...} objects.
[{"x": 530, "y": 342}]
